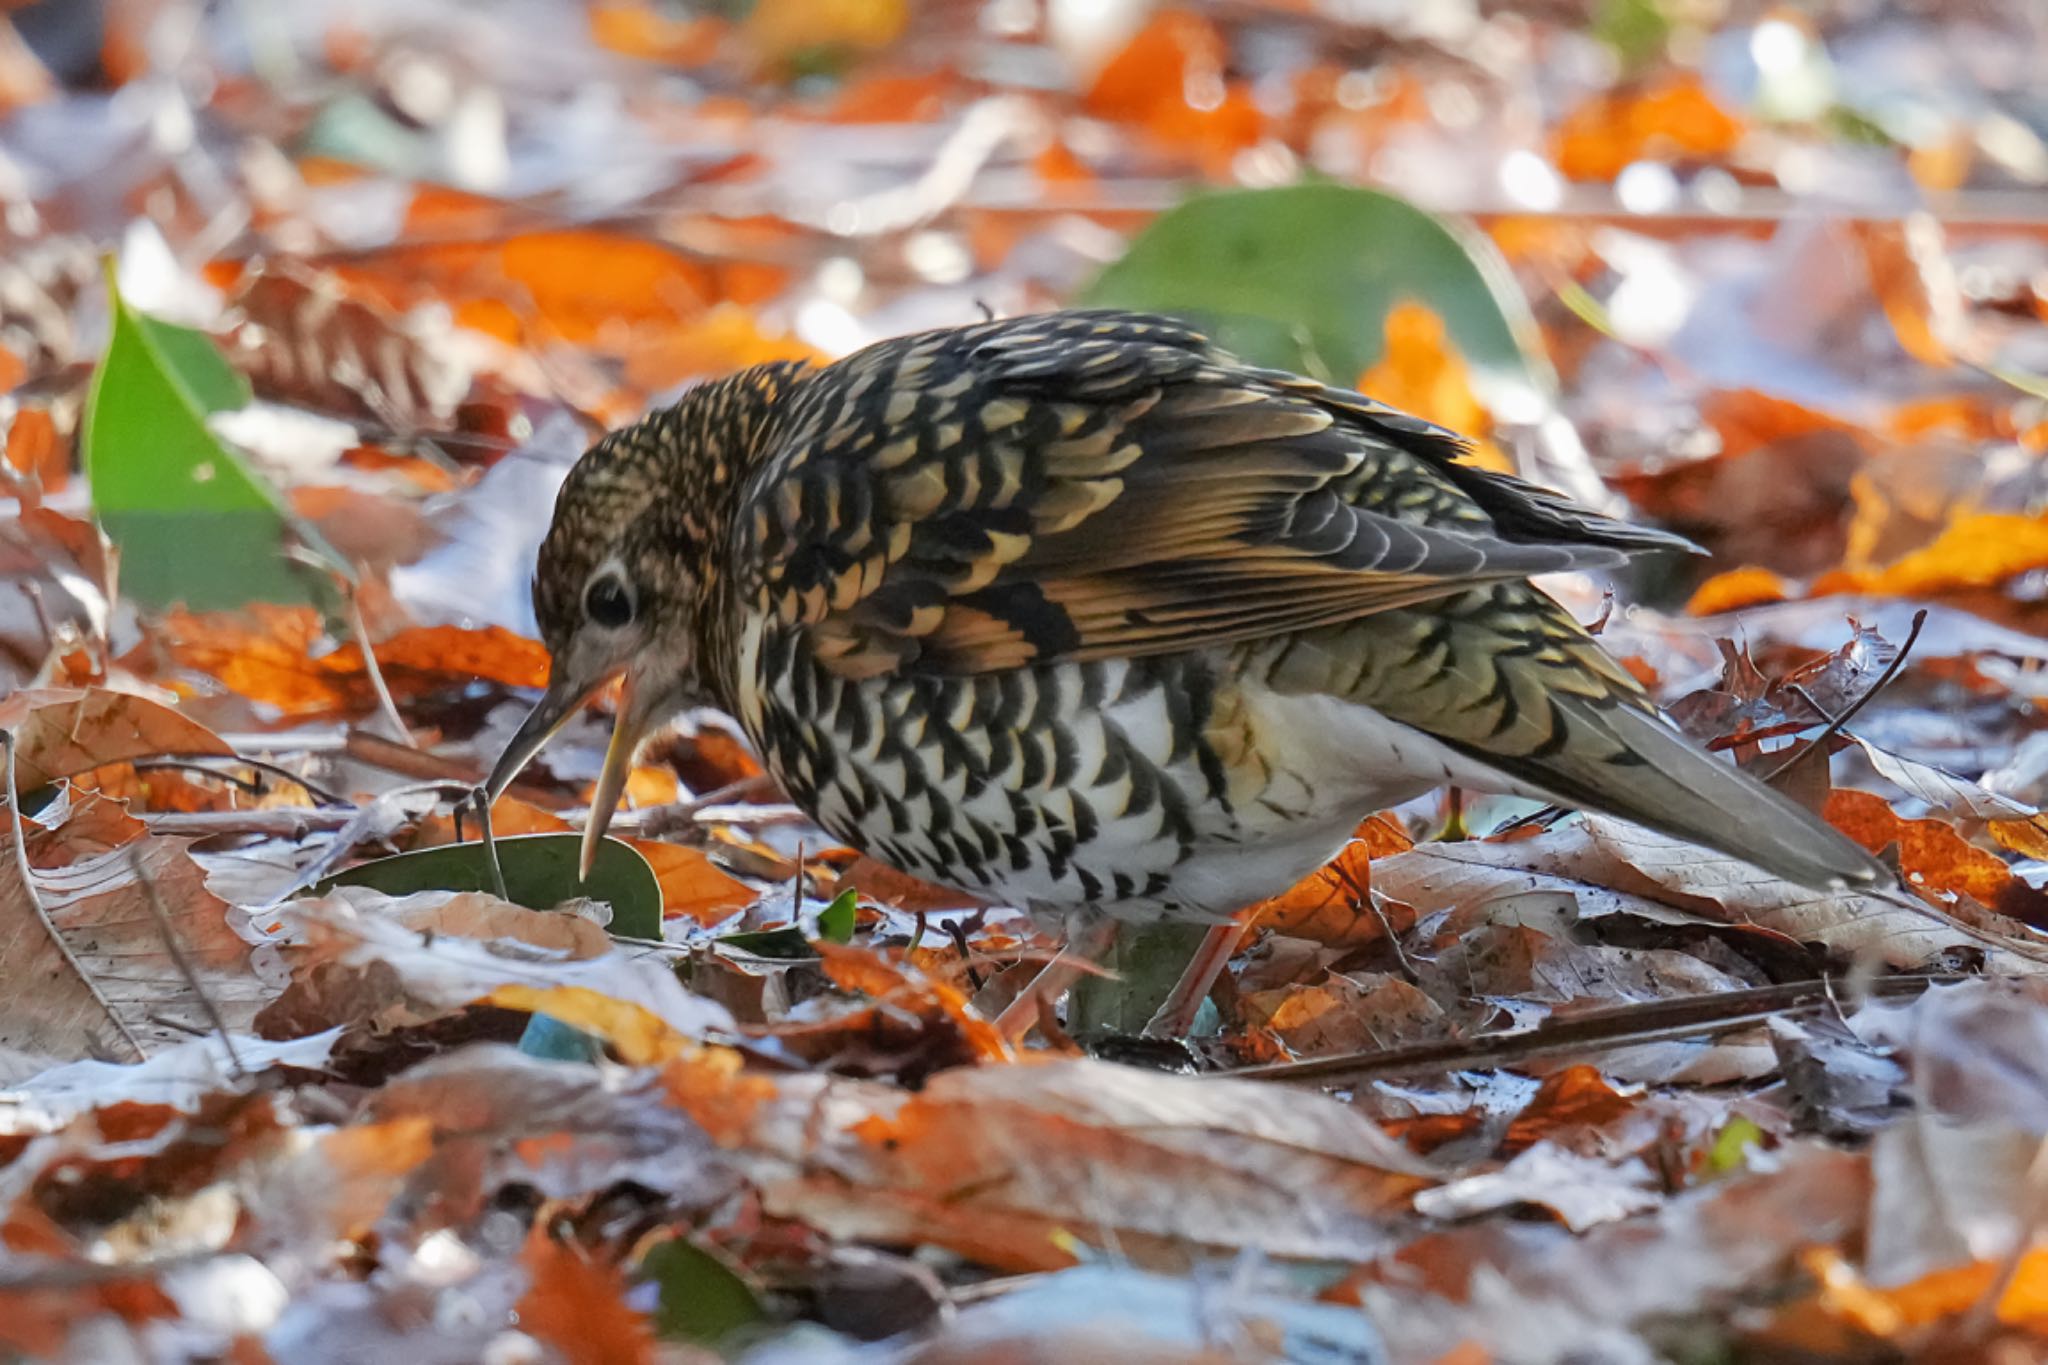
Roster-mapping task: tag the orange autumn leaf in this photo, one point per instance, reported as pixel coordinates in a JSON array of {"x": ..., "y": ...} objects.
[
  {"x": 577, "y": 1305},
  {"x": 1970, "y": 416},
  {"x": 1169, "y": 80},
  {"x": 1736, "y": 589},
  {"x": 1933, "y": 1298},
  {"x": 585, "y": 286},
  {"x": 509, "y": 816},
  {"x": 781, "y": 30},
  {"x": 62, "y": 731},
  {"x": 1332, "y": 905},
  {"x": 893, "y": 97},
  {"x": 1979, "y": 551},
  {"x": 1422, "y": 372},
  {"x": 1576, "y": 1097},
  {"x": 1749, "y": 419},
  {"x": 1915, "y": 285},
  {"x": 265, "y": 654},
  {"x": 1669, "y": 118},
  {"x": 866, "y": 972},
  {"x": 691, "y": 884},
  {"x": 727, "y": 337},
  {"x": 636, "y": 28},
  {"x": 1931, "y": 854}
]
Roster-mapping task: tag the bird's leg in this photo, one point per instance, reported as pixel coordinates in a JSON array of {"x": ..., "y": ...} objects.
[
  {"x": 1177, "y": 1014},
  {"x": 1085, "y": 943}
]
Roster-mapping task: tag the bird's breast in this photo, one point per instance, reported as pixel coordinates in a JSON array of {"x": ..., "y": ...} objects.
[{"x": 1175, "y": 784}]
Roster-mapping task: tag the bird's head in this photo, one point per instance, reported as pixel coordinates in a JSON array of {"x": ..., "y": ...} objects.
[{"x": 628, "y": 577}]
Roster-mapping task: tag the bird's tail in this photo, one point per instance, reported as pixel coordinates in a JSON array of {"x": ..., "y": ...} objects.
[{"x": 1506, "y": 677}]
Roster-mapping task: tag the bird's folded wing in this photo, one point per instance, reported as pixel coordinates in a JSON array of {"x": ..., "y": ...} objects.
[{"x": 1109, "y": 485}]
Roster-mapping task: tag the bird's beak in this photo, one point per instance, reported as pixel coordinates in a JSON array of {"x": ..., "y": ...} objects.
[
  {"x": 564, "y": 697},
  {"x": 627, "y": 732}
]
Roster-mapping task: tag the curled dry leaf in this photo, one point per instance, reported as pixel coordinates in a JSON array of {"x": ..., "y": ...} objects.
[
  {"x": 361, "y": 958},
  {"x": 1544, "y": 1298},
  {"x": 301, "y": 339},
  {"x": 495, "y": 1117},
  {"x": 1607, "y": 865},
  {"x": 1333, "y": 905},
  {"x": 1582, "y": 1191},
  {"x": 1345, "y": 1013},
  {"x": 1012, "y": 1164},
  {"x": 62, "y": 731}
]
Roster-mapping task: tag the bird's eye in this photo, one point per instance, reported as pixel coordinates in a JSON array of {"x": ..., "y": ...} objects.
[{"x": 608, "y": 602}]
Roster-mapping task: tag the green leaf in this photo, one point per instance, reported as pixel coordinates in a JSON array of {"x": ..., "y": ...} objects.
[
  {"x": 1302, "y": 278},
  {"x": 835, "y": 921},
  {"x": 790, "y": 943},
  {"x": 540, "y": 872},
  {"x": 786, "y": 944},
  {"x": 1733, "y": 1144},
  {"x": 1148, "y": 960},
  {"x": 194, "y": 523},
  {"x": 701, "y": 1298}
]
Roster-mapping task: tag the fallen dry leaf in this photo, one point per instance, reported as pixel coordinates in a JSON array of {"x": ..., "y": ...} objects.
[
  {"x": 1011, "y": 1165},
  {"x": 62, "y": 731},
  {"x": 94, "y": 974}
]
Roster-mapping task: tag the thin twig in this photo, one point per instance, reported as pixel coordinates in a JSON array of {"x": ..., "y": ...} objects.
[
  {"x": 283, "y": 822},
  {"x": 1835, "y": 724},
  {"x": 203, "y": 764},
  {"x": 1594, "y": 1030},
  {"x": 385, "y": 705},
  {"x": 177, "y": 952}
]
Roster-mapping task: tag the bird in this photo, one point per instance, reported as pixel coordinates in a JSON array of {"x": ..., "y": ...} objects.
[{"x": 1078, "y": 612}]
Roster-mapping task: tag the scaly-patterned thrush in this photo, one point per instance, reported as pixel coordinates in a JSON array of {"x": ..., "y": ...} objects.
[{"x": 1080, "y": 613}]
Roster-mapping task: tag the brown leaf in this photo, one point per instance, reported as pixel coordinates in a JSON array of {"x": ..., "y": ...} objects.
[
  {"x": 1932, "y": 855},
  {"x": 1333, "y": 904},
  {"x": 692, "y": 886},
  {"x": 62, "y": 731},
  {"x": 92, "y": 972},
  {"x": 1009, "y": 1164},
  {"x": 1345, "y": 1013},
  {"x": 1608, "y": 866},
  {"x": 368, "y": 960},
  {"x": 577, "y": 1305}
]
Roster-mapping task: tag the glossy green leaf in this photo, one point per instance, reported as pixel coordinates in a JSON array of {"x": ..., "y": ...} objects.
[
  {"x": 701, "y": 1298},
  {"x": 835, "y": 921},
  {"x": 1302, "y": 278},
  {"x": 194, "y": 523},
  {"x": 540, "y": 872}
]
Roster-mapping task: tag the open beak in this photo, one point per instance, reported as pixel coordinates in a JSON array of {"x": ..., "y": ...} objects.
[{"x": 564, "y": 697}]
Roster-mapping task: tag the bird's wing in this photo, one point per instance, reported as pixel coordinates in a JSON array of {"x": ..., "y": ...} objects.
[{"x": 1080, "y": 485}]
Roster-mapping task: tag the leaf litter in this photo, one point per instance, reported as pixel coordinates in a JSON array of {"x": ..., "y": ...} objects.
[{"x": 1497, "y": 1084}]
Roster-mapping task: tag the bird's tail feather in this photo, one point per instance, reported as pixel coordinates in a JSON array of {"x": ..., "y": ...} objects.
[{"x": 1505, "y": 676}]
